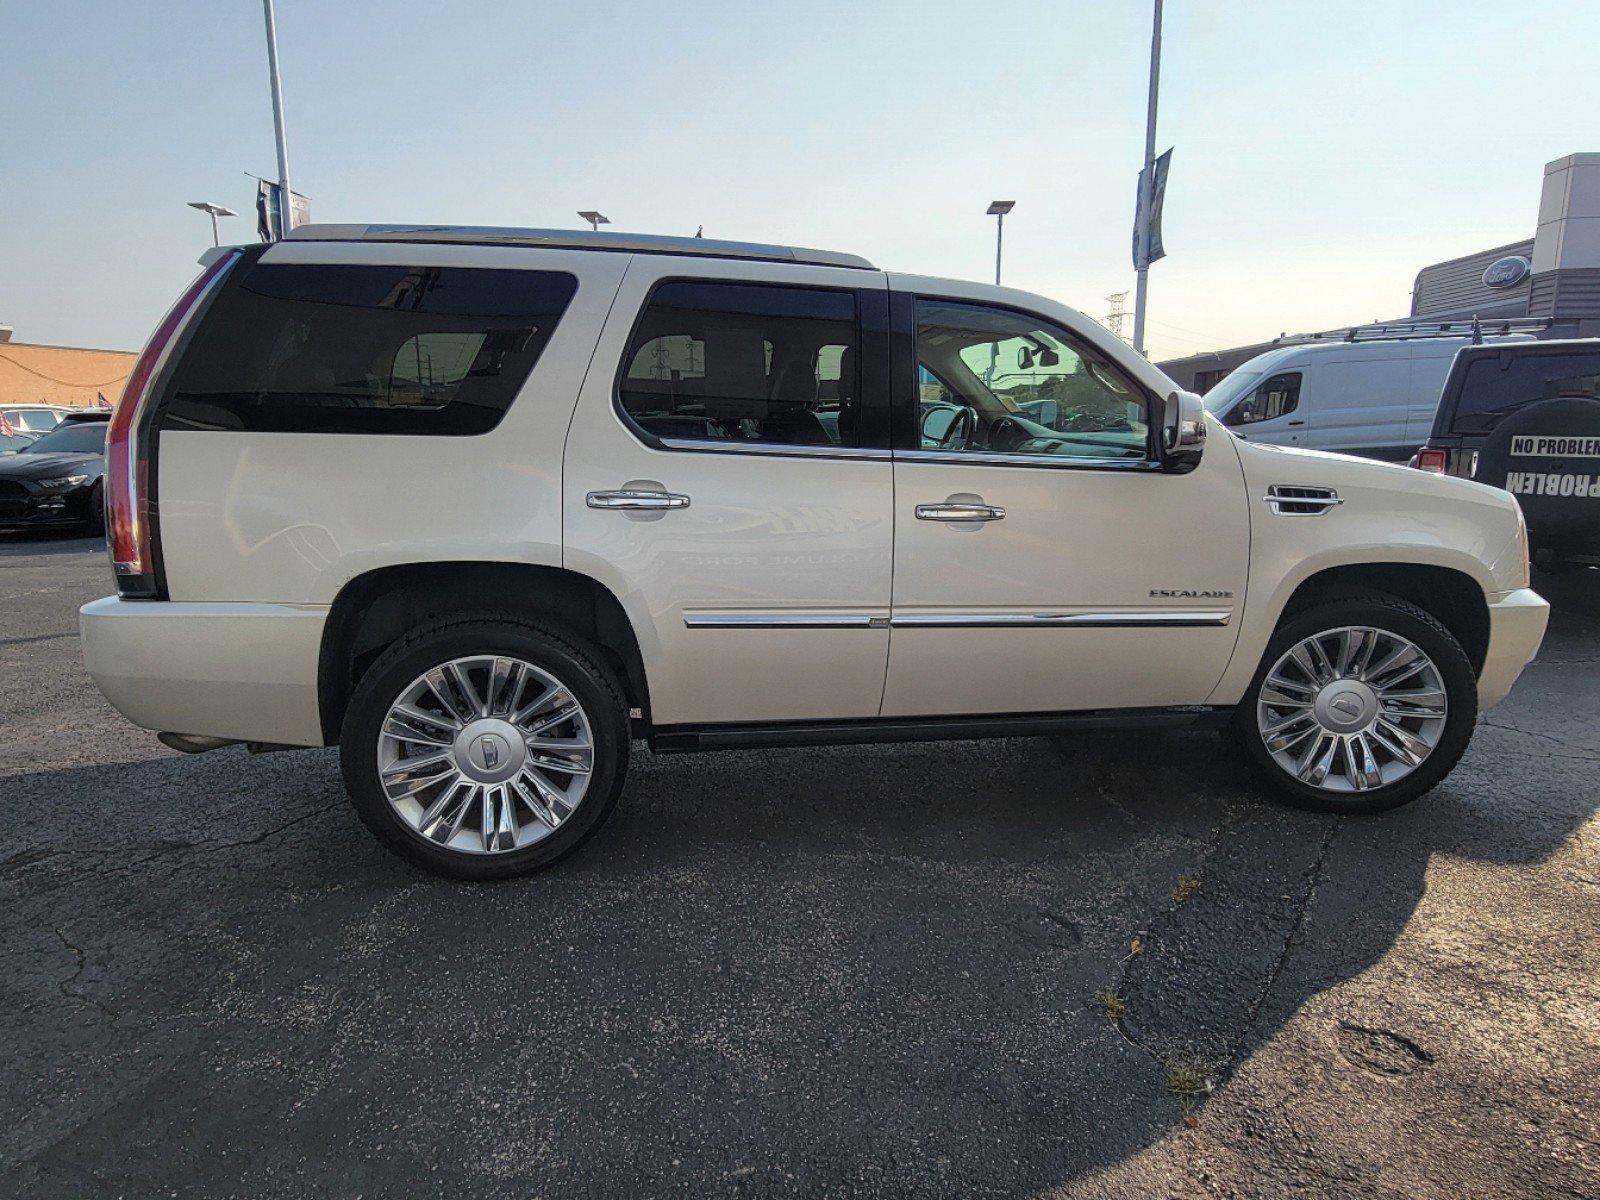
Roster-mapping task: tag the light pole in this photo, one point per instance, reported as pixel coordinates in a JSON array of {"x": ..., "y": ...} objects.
[
  {"x": 285, "y": 203},
  {"x": 215, "y": 211},
  {"x": 998, "y": 210},
  {"x": 595, "y": 220},
  {"x": 1147, "y": 185}
]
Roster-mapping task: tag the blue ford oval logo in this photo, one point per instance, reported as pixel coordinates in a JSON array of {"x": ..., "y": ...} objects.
[{"x": 1507, "y": 272}]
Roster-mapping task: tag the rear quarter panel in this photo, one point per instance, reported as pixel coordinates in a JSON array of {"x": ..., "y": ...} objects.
[{"x": 291, "y": 517}]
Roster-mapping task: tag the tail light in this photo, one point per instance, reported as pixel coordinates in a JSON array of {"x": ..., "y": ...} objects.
[
  {"x": 127, "y": 489},
  {"x": 1430, "y": 458}
]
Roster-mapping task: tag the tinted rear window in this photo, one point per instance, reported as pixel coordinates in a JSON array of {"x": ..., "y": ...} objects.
[
  {"x": 1496, "y": 384},
  {"x": 296, "y": 348},
  {"x": 733, "y": 362}
]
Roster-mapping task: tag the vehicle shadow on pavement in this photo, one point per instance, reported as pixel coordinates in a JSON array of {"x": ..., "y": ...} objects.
[
  {"x": 15, "y": 544},
  {"x": 866, "y": 970}
]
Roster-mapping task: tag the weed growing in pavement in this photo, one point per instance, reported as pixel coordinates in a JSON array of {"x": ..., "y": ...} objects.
[
  {"x": 1185, "y": 888},
  {"x": 1113, "y": 1004},
  {"x": 1188, "y": 1077}
]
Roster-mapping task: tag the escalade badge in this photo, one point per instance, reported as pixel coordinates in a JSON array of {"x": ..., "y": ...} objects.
[{"x": 1189, "y": 594}]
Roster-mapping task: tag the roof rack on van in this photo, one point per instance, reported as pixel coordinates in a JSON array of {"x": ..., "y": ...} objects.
[
  {"x": 571, "y": 239},
  {"x": 1409, "y": 330}
]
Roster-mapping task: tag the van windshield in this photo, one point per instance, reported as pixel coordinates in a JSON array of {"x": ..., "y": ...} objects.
[
  {"x": 1498, "y": 384},
  {"x": 1233, "y": 385}
]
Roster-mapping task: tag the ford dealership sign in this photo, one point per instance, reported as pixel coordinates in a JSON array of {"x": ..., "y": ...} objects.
[{"x": 1506, "y": 272}]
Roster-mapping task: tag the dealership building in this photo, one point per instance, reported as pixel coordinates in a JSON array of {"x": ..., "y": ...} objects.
[
  {"x": 74, "y": 376},
  {"x": 1551, "y": 279}
]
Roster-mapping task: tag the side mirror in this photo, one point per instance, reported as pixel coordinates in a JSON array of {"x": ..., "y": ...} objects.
[{"x": 1183, "y": 431}]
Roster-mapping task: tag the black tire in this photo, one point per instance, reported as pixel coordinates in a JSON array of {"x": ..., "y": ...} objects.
[
  {"x": 97, "y": 511},
  {"x": 578, "y": 667},
  {"x": 1379, "y": 611}
]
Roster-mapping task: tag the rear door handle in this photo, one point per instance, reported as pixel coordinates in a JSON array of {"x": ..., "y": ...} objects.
[
  {"x": 637, "y": 500},
  {"x": 960, "y": 512}
]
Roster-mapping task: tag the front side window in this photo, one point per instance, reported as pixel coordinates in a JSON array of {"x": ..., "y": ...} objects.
[
  {"x": 992, "y": 380},
  {"x": 1276, "y": 397},
  {"x": 303, "y": 348},
  {"x": 734, "y": 362}
]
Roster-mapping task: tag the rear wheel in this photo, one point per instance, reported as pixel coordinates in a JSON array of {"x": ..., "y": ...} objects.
[
  {"x": 485, "y": 748},
  {"x": 1360, "y": 705}
]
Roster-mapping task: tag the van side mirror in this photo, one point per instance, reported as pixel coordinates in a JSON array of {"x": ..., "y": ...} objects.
[{"x": 1183, "y": 431}]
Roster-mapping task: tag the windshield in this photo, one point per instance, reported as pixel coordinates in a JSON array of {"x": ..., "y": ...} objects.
[
  {"x": 1235, "y": 384},
  {"x": 79, "y": 437}
]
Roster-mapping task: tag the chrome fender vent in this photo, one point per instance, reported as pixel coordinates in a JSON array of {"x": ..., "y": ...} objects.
[{"x": 1288, "y": 500}]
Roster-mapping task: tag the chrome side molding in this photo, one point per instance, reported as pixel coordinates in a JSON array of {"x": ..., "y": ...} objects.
[
  {"x": 1168, "y": 618},
  {"x": 768, "y": 619}
]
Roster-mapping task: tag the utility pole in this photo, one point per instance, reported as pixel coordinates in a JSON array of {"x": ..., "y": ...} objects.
[
  {"x": 285, "y": 196},
  {"x": 1147, "y": 183}
]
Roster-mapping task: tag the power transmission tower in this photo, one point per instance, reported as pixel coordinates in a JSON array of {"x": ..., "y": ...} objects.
[{"x": 1118, "y": 312}]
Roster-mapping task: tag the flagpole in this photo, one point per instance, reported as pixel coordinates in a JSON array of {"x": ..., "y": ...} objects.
[
  {"x": 1147, "y": 183},
  {"x": 285, "y": 200}
]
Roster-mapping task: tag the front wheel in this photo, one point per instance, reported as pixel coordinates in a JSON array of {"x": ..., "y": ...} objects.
[
  {"x": 485, "y": 748},
  {"x": 97, "y": 511},
  {"x": 1359, "y": 705}
]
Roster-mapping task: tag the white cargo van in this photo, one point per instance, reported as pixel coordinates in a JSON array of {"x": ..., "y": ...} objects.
[{"x": 1375, "y": 398}]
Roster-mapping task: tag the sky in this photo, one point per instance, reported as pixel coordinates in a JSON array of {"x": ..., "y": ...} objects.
[{"x": 1323, "y": 152}]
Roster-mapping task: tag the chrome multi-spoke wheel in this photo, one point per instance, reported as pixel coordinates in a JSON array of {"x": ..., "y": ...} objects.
[
  {"x": 485, "y": 754},
  {"x": 1352, "y": 709}
]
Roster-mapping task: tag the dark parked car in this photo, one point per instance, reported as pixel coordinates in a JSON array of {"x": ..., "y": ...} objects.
[
  {"x": 1526, "y": 417},
  {"x": 56, "y": 479}
]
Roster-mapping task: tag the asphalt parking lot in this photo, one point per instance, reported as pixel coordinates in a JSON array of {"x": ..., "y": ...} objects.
[{"x": 854, "y": 971}]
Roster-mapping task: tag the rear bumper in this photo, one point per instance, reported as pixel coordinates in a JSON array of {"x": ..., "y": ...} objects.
[
  {"x": 1516, "y": 627},
  {"x": 246, "y": 671}
]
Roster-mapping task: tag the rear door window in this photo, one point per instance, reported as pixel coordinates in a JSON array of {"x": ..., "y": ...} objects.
[
  {"x": 302, "y": 348},
  {"x": 732, "y": 363},
  {"x": 1494, "y": 385}
]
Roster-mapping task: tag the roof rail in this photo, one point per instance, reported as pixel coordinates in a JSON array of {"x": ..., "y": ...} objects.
[
  {"x": 571, "y": 239},
  {"x": 1398, "y": 331}
]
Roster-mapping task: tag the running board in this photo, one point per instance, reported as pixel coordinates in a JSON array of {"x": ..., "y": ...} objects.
[{"x": 675, "y": 739}]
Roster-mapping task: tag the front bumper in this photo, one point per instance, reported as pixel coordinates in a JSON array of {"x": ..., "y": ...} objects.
[
  {"x": 244, "y": 671},
  {"x": 27, "y": 506},
  {"x": 1516, "y": 627}
]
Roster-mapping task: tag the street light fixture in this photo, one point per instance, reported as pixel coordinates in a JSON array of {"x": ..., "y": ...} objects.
[
  {"x": 595, "y": 220},
  {"x": 998, "y": 210},
  {"x": 215, "y": 211}
]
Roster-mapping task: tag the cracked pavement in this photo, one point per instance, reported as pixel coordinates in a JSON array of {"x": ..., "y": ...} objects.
[{"x": 850, "y": 971}]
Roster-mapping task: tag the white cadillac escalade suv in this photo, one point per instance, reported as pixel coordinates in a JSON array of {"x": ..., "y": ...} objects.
[{"x": 480, "y": 506}]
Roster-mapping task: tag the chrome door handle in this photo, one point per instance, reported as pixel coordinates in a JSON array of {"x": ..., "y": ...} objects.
[
  {"x": 637, "y": 500},
  {"x": 960, "y": 512}
]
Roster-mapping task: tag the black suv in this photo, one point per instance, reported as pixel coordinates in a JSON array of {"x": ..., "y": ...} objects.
[{"x": 1526, "y": 417}]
